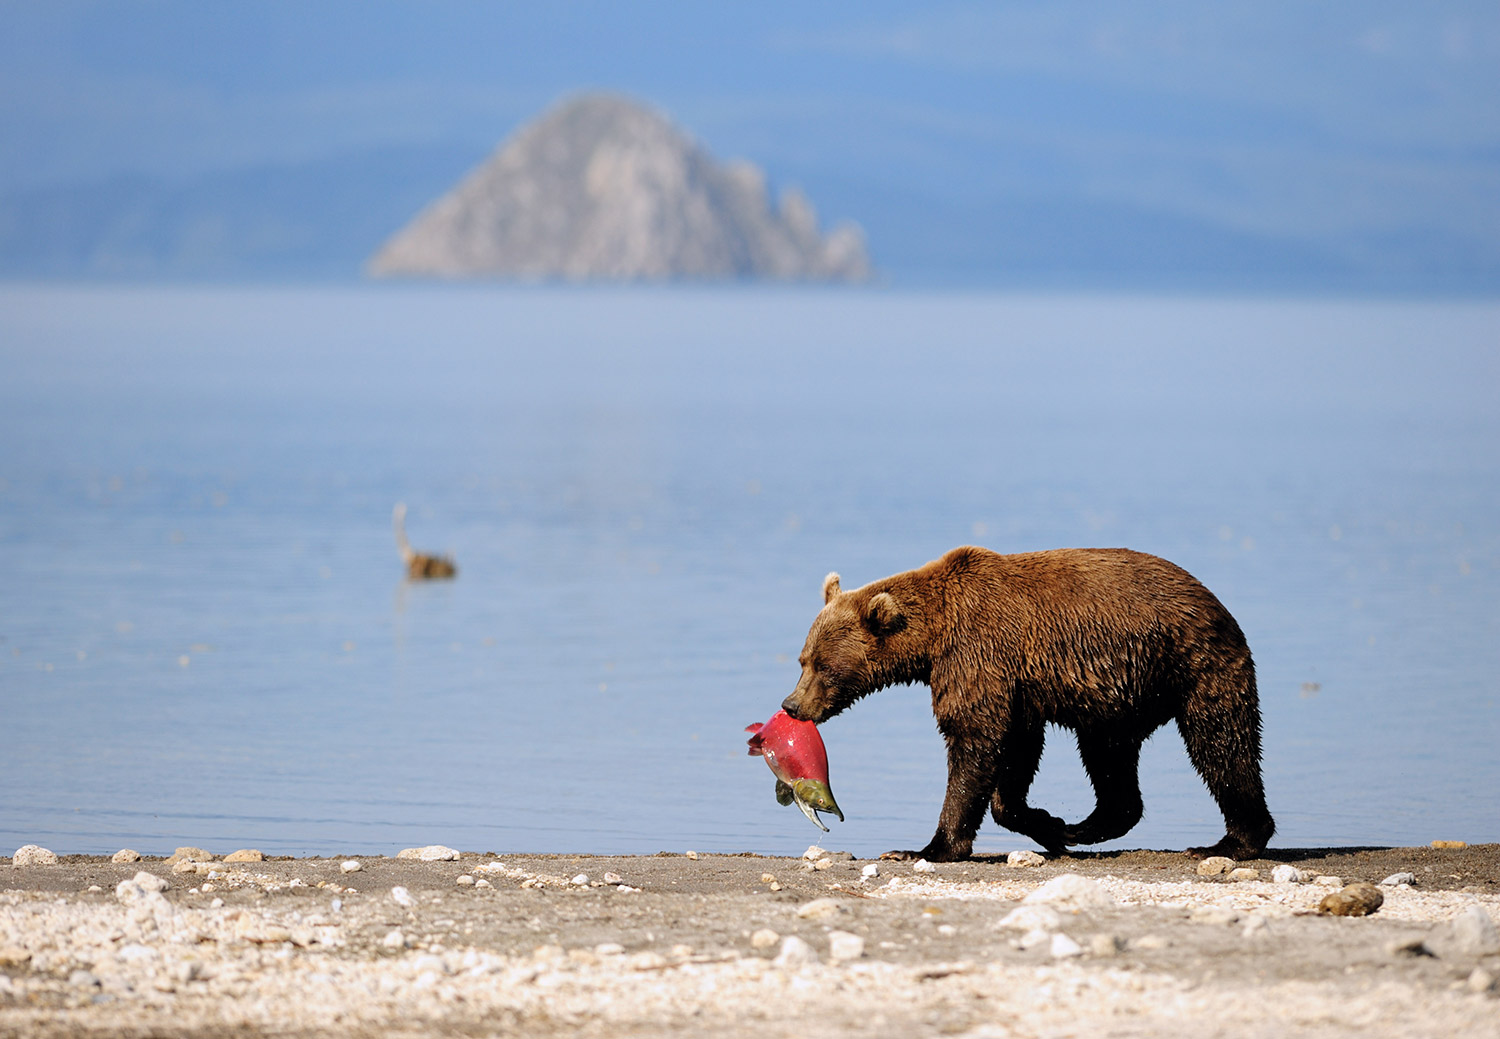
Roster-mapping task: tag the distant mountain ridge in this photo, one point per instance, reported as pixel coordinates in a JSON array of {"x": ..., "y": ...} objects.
[{"x": 603, "y": 188}]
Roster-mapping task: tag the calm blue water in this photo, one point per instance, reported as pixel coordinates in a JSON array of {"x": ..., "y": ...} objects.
[{"x": 205, "y": 636}]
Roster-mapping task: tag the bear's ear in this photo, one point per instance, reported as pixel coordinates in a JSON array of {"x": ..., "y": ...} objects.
[
  {"x": 830, "y": 588},
  {"x": 883, "y": 615}
]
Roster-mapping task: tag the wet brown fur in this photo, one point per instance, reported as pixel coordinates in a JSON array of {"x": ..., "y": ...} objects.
[{"x": 1108, "y": 642}]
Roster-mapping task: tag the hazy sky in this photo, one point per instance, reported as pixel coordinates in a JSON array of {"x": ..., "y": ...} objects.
[{"x": 1270, "y": 115}]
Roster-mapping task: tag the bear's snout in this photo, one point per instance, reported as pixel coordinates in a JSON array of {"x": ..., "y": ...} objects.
[{"x": 791, "y": 706}]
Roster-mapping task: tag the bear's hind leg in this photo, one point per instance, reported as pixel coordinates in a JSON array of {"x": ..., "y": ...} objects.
[
  {"x": 1221, "y": 731},
  {"x": 1020, "y": 754},
  {"x": 1113, "y": 765}
]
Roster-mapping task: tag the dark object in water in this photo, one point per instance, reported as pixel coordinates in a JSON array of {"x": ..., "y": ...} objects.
[{"x": 419, "y": 565}]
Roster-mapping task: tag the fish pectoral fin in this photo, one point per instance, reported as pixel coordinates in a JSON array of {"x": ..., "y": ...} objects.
[
  {"x": 783, "y": 793},
  {"x": 808, "y": 811}
]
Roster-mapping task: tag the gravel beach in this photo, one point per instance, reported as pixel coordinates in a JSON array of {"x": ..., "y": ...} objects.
[{"x": 680, "y": 944}]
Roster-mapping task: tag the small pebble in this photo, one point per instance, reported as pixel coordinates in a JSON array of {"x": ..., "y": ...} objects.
[
  {"x": 1023, "y": 857},
  {"x": 947, "y": 930},
  {"x": 394, "y": 940},
  {"x": 1244, "y": 873},
  {"x": 869, "y": 871},
  {"x": 1031, "y": 918},
  {"x": 821, "y": 909},
  {"x": 1105, "y": 945},
  {"x": 337, "y": 905},
  {"x": 351, "y": 866},
  {"x": 482, "y": 883},
  {"x": 189, "y": 854},
  {"x": 1326, "y": 881},
  {"x": 1220, "y": 915},
  {"x": 795, "y": 953},
  {"x": 764, "y": 938},
  {"x": 245, "y": 855},
  {"x": 813, "y": 853},
  {"x": 1033, "y": 938},
  {"x": 1070, "y": 891},
  {"x": 32, "y": 855},
  {"x": 1357, "y": 899},
  {"x": 692, "y": 855},
  {"x": 843, "y": 945},
  {"x": 1285, "y": 874},
  {"x": 613, "y": 878},
  {"x": 464, "y": 880},
  {"x": 1450, "y": 845},
  {"x": 431, "y": 853},
  {"x": 923, "y": 866},
  {"x": 402, "y": 897},
  {"x": 609, "y": 949},
  {"x": 125, "y": 855},
  {"x": 823, "y": 863},
  {"x": 1215, "y": 865},
  {"x": 1398, "y": 879},
  {"x": 582, "y": 880},
  {"x": 1480, "y": 980}
]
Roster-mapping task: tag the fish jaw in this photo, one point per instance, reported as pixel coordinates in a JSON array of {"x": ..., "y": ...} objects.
[
  {"x": 808, "y": 811},
  {"x": 816, "y": 795}
]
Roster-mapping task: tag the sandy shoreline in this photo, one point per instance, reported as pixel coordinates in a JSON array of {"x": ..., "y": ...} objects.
[{"x": 678, "y": 946}]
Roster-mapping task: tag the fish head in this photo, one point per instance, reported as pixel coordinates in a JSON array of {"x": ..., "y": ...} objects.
[{"x": 817, "y": 796}]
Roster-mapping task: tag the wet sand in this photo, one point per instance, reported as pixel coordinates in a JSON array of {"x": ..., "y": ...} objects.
[{"x": 670, "y": 945}]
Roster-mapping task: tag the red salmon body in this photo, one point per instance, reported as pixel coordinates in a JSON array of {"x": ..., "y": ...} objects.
[{"x": 793, "y": 749}]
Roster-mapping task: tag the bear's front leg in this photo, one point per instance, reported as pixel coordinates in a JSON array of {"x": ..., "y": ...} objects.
[{"x": 971, "y": 777}]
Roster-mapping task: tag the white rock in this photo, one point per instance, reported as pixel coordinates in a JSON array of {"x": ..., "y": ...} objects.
[
  {"x": 869, "y": 871},
  {"x": 394, "y": 940},
  {"x": 923, "y": 866},
  {"x": 821, "y": 909},
  {"x": 1326, "y": 881},
  {"x": 32, "y": 855},
  {"x": 1031, "y": 918},
  {"x": 845, "y": 946},
  {"x": 402, "y": 896},
  {"x": 1244, "y": 873},
  {"x": 431, "y": 853},
  {"x": 582, "y": 880},
  {"x": 764, "y": 938},
  {"x": 947, "y": 930},
  {"x": 795, "y": 953},
  {"x": 218, "y": 903},
  {"x": 824, "y": 863},
  {"x": 125, "y": 855},
  {"x": 692, "y": 855},
  {"x": 1285, "y": 874},
  {"x": 481, "y": 882},
  {"x": 351, "y": 866},
  {"x": 1474, "y": 932},
  {"x": 613, "y": 878},
  {"x": 1397, "y": 879},
  {"x": 1070, "y": 891},
  {"x": 1214, "y": 865},
  {"x": 1064, "y": 947},
  {"x": 464, "y": 880},
  {"x": 1023, "y": 857},
  {"x": 813, "y": 853}
]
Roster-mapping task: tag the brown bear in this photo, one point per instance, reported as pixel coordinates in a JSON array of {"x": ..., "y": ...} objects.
[{"x": 1108, "y": 642}]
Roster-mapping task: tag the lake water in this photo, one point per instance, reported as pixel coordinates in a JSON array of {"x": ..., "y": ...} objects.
[{"x": 205, "y": 636}]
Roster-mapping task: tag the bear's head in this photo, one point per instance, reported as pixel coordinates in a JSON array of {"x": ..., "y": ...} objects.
[{"x": 859, "y": 642}]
